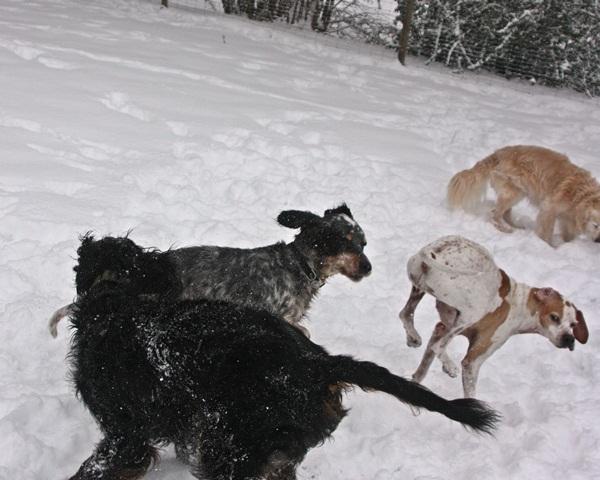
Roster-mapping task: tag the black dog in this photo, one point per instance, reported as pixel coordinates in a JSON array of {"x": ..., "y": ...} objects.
[
  {"x": 281, "y": 278},
  {"x": 246, "y": 391}
]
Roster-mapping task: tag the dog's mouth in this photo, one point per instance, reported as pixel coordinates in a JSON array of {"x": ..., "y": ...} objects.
[
  {"x": 567, "y": 342},
  {"x": 363, "y": 270},
  {"x": 357, "y": 277}
]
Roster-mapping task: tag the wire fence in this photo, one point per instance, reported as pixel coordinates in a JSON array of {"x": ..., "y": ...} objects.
[
  {"x": 532, "y": 64},
  {"x": 336, "y": 19},
  {"x": 550, "y": 42},
  {"x": 353, "y": 25}
]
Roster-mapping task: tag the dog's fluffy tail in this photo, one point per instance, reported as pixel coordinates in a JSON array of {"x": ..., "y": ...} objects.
[
  {"x": 472, "y": 413},
  {"x": 467, "y": 188}
]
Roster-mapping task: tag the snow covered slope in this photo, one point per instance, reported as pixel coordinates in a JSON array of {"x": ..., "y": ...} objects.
[{"x": 116, "y": 115}]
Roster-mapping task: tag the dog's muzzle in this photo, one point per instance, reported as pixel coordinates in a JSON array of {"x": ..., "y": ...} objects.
[
  {"x": 364, "y": 266},
  {"x": 567, "y": 341}
]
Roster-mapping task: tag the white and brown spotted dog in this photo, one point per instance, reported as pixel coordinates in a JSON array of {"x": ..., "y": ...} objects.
[{"x": 476, "y": 299}]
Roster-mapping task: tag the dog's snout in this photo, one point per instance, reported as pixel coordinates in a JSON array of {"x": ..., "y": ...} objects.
[
  {"x": 567, "y": 341},
  {"x": 365, "y": 266}
]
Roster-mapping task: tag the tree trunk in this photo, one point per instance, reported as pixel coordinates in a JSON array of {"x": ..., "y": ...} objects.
[{"x": 409, "y": 8}]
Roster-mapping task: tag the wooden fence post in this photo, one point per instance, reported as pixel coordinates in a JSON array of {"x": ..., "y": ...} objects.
[{"x": 409, "y": 8}]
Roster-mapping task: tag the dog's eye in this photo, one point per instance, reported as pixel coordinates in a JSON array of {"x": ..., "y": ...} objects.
[{"x": 554, "y": 317}]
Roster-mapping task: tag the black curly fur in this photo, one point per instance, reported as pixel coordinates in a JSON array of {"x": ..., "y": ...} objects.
[
  {"x": 120, "y": 259},
  {"x": 246, "y": 392}
]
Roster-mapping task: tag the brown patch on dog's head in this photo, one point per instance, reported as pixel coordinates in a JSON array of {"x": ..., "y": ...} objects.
[
  {"x": 546, "y": 302},
  {"x": 558, "y": 320}
]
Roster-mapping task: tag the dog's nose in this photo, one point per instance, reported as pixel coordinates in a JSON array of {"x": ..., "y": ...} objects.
[
  {"x": 365, "y": 266},
  {"x": 568, "y": 341}
]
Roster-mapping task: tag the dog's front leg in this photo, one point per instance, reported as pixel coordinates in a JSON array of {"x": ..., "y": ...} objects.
[
  {"x": 567, "y": 228},
  {"x": 480, "y": 349},
  {"x": 470, "y": 373},
  {"x": 120, "y": 457}
]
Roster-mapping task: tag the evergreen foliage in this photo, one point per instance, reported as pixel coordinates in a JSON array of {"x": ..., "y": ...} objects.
[{"x": 553, "y": 42}]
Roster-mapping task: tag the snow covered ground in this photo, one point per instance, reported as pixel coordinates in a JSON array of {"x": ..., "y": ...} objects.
[{"x": 116, "y": 115}]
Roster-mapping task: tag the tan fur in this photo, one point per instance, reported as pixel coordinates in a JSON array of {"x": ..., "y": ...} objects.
[
  {"x": 563, "y": 191},
  {"x": 480, "y": 334},
  {"x": 347, "y": 264},
  {"x": 553, "y": 303},
  {"x": 332, "y": 406}
]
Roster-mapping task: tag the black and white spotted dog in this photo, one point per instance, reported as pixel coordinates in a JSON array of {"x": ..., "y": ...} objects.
[
  {"x": 281, "y": 278},
  {"x": 245, "y": 392}
]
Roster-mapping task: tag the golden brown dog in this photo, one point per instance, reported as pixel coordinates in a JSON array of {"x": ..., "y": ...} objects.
[{"x": 561, "y": 190}]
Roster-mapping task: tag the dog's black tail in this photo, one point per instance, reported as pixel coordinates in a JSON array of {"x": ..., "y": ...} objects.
[{"x": 470, "y": 412}]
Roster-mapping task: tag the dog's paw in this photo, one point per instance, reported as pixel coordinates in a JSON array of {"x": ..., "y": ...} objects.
[
  {"x": 503, "y": 227},
  {"x": 450, "y": 368}
]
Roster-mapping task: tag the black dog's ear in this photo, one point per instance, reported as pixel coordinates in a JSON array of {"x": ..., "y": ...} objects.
[
  {"x": 296, "y": 218},
  {"x": 341, "y": 210}
]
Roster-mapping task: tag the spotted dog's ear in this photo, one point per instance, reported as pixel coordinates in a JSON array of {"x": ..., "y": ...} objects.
[
  {"x": 296, "y": 218},
  {"x": 545, "y": 294},
  {"x": 341, "y": 210},
  {"x": 580, "y": 330}
]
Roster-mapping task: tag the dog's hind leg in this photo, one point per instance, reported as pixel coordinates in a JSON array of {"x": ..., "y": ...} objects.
[
  {"x": 545, "y": 223},
  {"x": 508, "y": 195},
  {"x": 117, "y": 458},
  {"x": 438, "y": 333},
  {"x": 407, "y": 314},
  {"x": 443, "y": 332},
  {"x": 448, "y": 316}
]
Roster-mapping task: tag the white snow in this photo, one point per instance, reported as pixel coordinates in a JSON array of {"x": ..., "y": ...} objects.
[{"x": 190, "y": 129}]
